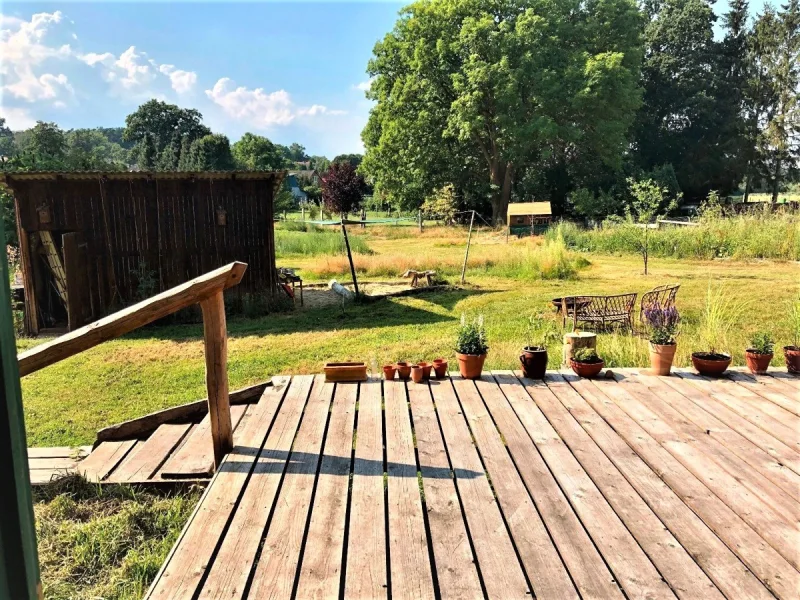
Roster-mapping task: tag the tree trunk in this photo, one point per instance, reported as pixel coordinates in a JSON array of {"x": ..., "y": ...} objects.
[
  {"x": 502, "y": 176},
  {"x": 747, "y": 182},
  {"x": 776, "y": 181}
]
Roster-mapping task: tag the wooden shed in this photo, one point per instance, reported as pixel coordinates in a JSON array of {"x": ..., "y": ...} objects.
[
  {"x": 93, "y": 242},
  {"x": 529, "y": 217}
]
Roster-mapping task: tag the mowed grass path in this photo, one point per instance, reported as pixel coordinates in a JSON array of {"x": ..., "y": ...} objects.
[{"x": 160, "y": 367}]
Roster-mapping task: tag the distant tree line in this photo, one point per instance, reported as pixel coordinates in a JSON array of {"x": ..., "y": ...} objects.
[
  {"x": 564, "y": 101},
  {"x": 157, "y": 137}
]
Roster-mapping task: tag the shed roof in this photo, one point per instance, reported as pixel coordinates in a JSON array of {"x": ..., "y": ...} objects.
[
  {"x": 8, "y": 178},
  {"x": 530, "y": 208}
]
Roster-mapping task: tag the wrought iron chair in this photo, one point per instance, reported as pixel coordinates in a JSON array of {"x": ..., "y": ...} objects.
[
  {"x": 662, "y": 296},
  {"x": 600, "y": 311}
]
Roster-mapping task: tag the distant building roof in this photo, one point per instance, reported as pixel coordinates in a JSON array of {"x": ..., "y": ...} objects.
[{"x": 537, "y": 209}]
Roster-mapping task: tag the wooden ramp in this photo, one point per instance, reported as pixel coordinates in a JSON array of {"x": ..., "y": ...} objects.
[
  {"x": 630, "y": 486},
  {"x": 49, "y": 464}
]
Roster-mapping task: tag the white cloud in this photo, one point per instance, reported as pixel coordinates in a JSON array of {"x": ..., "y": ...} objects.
[
  {"x": 17, "y": 118},
  {"x": 259, "y": 108},
  {"x": 24, "y": 52},
  {"x": 182, "y": 81},
  {"x": 364, "y": 85}
]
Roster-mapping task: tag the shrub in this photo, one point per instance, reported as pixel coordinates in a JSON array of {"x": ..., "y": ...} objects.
[
  {"x": 762, "y": 342},
  {"x": 471, "y": 337}
]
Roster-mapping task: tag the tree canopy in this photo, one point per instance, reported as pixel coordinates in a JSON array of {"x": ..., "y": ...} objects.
[
  {"x": 494, "y": 89},
  {"x": 342, "y": 188}
]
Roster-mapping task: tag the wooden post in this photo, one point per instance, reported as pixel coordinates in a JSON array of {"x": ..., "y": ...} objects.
[
  {"x": 28, "y": 282},
  {"x": 419, "y": 220},
  {"x": 350, "y": 257},
  {"x": 19, "y": 565},
  {"x": 466, "y": 254},
  {"x": 215, "y": 341},
  {"x": 576, "y": 340}
]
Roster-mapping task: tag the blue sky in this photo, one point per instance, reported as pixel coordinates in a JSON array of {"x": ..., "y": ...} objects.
[
  {"x": 290, "y": 71},
  {"x": 293, "y": 72}
]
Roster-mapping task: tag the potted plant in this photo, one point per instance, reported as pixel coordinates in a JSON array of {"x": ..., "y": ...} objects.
[
  {"x": 540, "y": 332},
  {"x": 759, "y": 354},
  {"x": 662, "y": 324},
  {"x": 440, "y": 367},
  {"x": 719, "y": 315},
  {"x": 471, "y": 348},
  {"x": 586, "y": 363},
  {"x": 792, "y": 353}
]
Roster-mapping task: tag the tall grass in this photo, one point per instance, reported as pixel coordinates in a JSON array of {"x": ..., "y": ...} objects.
[
  {"x": 551, "y": 260},
  {"x": 316, "y": 242},
  {"x": 751, "y": 236}
]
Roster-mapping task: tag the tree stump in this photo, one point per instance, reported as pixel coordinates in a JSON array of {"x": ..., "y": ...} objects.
[{"x": 575, "y": 340}]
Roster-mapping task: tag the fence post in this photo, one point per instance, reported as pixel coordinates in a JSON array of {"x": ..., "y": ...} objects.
[
  {"x": 215, "y": 341},
  {"x": 466, "y": 254}
]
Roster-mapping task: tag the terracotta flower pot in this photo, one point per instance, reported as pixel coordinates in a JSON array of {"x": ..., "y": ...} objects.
[
  {"x": 417, "y": 374},
  {"x": 403, "y": 370},
  {"x": 661, "y": 357},
  {"x": 711, "y": 365},
  {"x": 440, "y": 367},
  {"x": 792, "y": 355},
  {"x": 389, "y": 371},
  {"x": 470, "y": 365},
  {"x": 534, "y": 362},
  {"x": 588, "y": 370},
  {"x": 426, "y": 369},
  {"x": 757, "y": 363}
]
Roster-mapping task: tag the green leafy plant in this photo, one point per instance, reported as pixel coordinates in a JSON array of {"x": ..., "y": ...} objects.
[
  {"x": 762, "y": 342},
  {"x": 540, "y": 332},
  {"x": 471, "y": 337},
  {"x": 649, "y": 200},
  {"x": 663, "y": 324},
  {"x": 720, "y": 314},
  {"x": 585, "y": 355}
]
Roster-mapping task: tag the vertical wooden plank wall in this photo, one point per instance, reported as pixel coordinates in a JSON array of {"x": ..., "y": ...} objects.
[{"x": 168, "y": 225}]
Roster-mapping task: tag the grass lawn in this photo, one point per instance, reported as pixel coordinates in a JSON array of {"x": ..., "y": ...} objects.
[{"x": 163, "y": 366}]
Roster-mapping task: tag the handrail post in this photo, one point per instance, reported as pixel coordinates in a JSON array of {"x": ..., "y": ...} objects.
[{"x": 215, "y": 341}]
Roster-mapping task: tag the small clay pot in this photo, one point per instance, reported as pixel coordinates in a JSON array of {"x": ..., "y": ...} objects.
[
  {"x": 440, "y": 368},
  {"x": 757, "y": 363},
  {"x": 584, "y": 369},
  {"x": 470, "y": 365},
  {"x": 661, "y": 357},
  {"x": 534, "y": 362},
  {"x": 403, "y": 370},
  {"x": 417, "y": 374},
  {"x": 792, "y": 355},
  {"x": 711, "y": 365},
  {"x": 389, "y": 371},
  {"x": 426, "y": 369}
]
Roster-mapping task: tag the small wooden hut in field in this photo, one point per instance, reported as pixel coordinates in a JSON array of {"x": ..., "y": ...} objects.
[
  {"x": 529, "y": 217},
  {"x": 93, "y": 242}
]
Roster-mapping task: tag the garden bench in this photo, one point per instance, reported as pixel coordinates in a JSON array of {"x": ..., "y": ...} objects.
[{"x": 599, "y": 311}]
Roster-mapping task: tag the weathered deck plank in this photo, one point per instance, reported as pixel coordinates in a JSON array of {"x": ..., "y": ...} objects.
[
  {"x": 366, "y": 575},
  {"x": 455, "y": 562},
  {"x": 410, "y": 566}
]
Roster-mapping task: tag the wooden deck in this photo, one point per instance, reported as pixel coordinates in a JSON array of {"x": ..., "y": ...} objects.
[{"x": 631, "y": 487}]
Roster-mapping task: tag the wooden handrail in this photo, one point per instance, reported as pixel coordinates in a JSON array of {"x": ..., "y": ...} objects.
[{"x": 207, "y": 291}]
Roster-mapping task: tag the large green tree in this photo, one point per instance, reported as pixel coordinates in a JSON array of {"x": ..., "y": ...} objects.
[
  {"x": 210, "y": 153},
  {"x": 161, "y": 121},
  {"x": 257, "y": 153},
  {"x": 477, "y": 92},
  {"x": 688, "y": 111}
]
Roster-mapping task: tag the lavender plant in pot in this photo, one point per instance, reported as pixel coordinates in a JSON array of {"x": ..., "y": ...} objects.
[
  {"x": 792, "y": 352},
  {"x": 540, "y": 332},
  {"x": 471, "y": 347},
  {"x": 759, "y": 354},
  {"x": 662, "y": 324}
]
